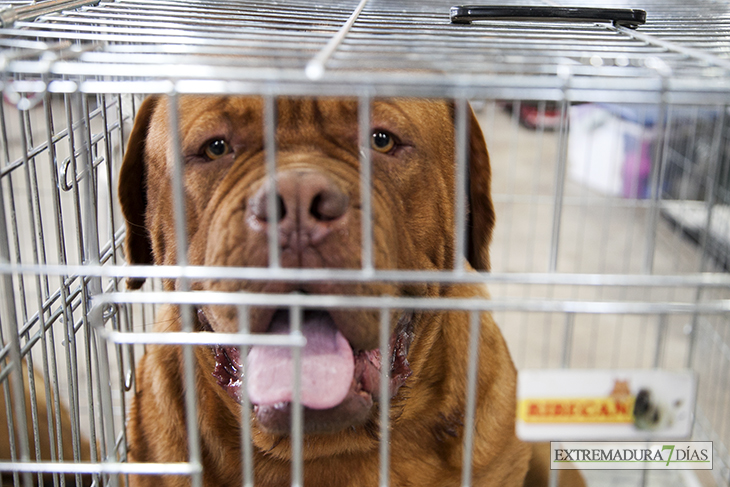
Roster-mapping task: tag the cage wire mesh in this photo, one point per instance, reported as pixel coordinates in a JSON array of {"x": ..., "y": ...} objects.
[{"x": 611, "y": 181}]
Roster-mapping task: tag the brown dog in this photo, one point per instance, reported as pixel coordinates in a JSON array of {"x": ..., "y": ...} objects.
[
  {"x": 226, "y": 190},
  {"x": 47, "y": 433}
]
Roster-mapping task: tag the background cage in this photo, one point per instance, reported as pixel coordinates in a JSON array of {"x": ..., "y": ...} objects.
[{"x": 583, "y": 276}]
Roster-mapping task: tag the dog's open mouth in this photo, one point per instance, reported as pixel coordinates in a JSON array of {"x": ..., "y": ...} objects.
[{"x": 338, "y": 384}]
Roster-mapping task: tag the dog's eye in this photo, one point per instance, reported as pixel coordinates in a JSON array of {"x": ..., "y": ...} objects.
[
  {"x": 382, "y": 141},
  {"x": 216, "y": 149}
]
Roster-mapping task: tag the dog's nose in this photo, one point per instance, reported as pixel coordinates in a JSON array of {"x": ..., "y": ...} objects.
[{"x": 306, "y": 201}]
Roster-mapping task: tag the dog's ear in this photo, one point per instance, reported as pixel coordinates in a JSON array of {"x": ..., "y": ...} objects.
[
  {"x": 133, "y": 192},
  {"x": 481, "y": 210}
]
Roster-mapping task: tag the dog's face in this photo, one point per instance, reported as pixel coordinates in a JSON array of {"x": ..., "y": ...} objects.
[{"x": 320, "y": 219}]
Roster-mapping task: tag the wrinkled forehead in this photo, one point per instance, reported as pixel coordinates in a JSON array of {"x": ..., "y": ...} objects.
[
  {"x": 324, "y": 114},
  {"x": 198, "y": 109}
]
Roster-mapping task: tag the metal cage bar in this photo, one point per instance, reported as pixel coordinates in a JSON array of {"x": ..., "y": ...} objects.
[{"x": 622, "y": 271}]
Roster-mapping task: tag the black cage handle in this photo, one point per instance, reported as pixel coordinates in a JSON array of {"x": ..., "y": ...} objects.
[{"x": 626, "y": 17}]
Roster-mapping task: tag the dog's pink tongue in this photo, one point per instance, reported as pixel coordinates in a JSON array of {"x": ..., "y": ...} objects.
[{"x": 328, "y": 366}]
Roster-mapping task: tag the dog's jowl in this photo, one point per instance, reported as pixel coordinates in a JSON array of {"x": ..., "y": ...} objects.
[{"x": 319, "y": 221}]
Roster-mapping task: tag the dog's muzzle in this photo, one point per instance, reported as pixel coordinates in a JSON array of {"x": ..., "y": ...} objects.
[{"x": 338, "y": 385}]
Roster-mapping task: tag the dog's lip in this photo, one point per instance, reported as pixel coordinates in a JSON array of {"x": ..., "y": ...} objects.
[{"x": 354, "y": 408}]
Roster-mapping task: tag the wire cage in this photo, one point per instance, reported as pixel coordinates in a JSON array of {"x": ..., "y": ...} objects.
[{"x": 611, "y": 182}]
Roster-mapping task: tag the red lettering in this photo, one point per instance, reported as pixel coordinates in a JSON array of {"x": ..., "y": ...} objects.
[{"x": 584, "y": 409}]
